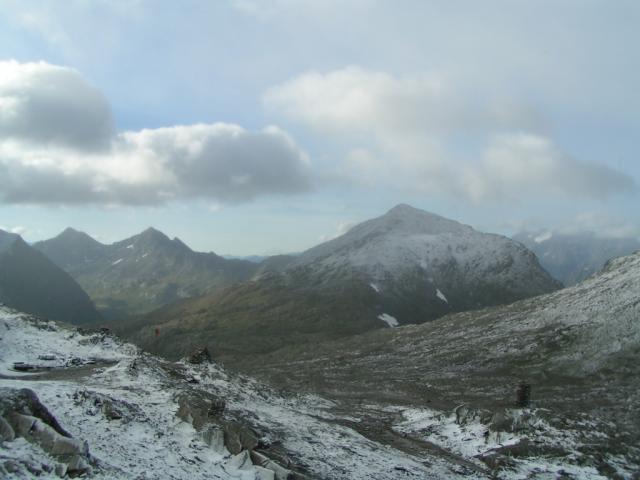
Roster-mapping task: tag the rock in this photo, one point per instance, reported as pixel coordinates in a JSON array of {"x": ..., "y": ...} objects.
[
  {"x": 61, "y": 470},
  {"x": 241, "y": 461},
  {"x": 6, "y": 431},
  {"x": 264, "y": 474},
  {"x": 201, "y": 355},
  {"x": 23, "y": 367},
  {"x": 77, "y": 466},
  {"x": 213, "y": 436},
  {"x": 111, "y": 408},
  {"x": 30, "y": 419},
  {"x": 199, "y": 408},
  {"x": 238, "y": 437},
  {"x": 21, "y": 424},
  {"x": 280, "y": 473}
]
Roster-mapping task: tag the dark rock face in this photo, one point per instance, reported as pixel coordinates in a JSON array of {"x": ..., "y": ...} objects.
[{"x": 32, "y": 283}]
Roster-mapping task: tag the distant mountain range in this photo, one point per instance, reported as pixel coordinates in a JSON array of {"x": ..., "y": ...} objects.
[
  {"x": 143, "y": 272},
  {"x": 571, "y": 258},
  {"x": 407, "y": 266},
  {"x": 32, "y": 283}
]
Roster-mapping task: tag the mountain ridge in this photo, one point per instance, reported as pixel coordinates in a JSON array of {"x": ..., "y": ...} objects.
[
  {"x": 142, "y": 272},
  {"x": 383, "y": 272}
]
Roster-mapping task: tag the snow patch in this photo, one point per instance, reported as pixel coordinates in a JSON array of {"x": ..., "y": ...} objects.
[
  {"x": 388, "y": 319},
  {"x": 441, "y": 296},
  {"x": 543, "y": 237}
]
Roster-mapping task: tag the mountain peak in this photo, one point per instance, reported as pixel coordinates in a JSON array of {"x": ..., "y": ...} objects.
[
  {"x": 152, "y": 233},
  {"x": 72, "y": 235}
]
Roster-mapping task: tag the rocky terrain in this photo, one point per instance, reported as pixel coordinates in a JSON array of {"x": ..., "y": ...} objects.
[
  {"x": 572, "y": 258},
  {"x": 29, "y": 281},
  {"x": 80, "y": 403},
  {"x": 143, "y": 272},
  {"x": 407, "y": 266},
  {"x": 577, "y": 350}
]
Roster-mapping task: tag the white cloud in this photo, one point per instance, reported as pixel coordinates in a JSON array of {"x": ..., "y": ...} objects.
[
  {"x": 520, "y": 164},
  {"x": 57, "y": 146},
  {"x": 51, "y": 105},
  {"x": 603, "y": 225},
  {"x": 408, "y": 131}
]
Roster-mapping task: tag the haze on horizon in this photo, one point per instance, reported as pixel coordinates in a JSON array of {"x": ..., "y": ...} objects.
[{"x": 253, "y": 127}]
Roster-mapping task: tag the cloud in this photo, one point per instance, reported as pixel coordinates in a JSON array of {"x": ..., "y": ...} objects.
[
  {"x": 424, "y": 132},
  {"x": 602, "y": 225},
  {"x": 58, "y": 146},
  {"x": 19, "y": 230},
  {"x": 520, "y": 164},
  {"x": 50, "y": 105},
  {"x": 354, "y": 100}
]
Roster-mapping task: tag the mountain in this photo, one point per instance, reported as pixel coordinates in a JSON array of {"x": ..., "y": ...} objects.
[
  {"x": 573, "y": 257},
  {"x": 407, "y": 266},
  {"x": 143, "y": 272},
  {"x": 32, "y": 283},
  {"x": 577, "y": 349}
]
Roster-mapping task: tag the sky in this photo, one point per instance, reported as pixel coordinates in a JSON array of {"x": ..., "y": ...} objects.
[{"x": 263, "y": 127}]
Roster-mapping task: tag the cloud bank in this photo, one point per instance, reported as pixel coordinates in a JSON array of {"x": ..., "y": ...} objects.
[
  {"x": 409, "y": 129},
  {"x": 58, "y": 145}
]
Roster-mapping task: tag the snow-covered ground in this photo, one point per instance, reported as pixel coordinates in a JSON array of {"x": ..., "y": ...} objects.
[{"x": 149, "y": 441}]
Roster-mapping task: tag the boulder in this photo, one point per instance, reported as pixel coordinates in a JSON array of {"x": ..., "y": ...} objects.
[
  {"x": 201, "y": 355},
  {"x": 6, "y": 431},
  {"x": 280, "y": 473},
  {"x": 213, "y": 436},
  {"x": 199, "y": 408},
  {"x": 241, "y": 461},
  {"x": 238, "y": 437},
  {"x": 25, "y": 402}
]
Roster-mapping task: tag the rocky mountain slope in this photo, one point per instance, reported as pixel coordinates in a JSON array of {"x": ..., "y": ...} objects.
[
  {"x": 31, "y": 282},
  {"x": 79, "y": 403},
  {"x": 407, "y": 266},
  {"x": 573, "y": 257},
  {"x": 143, "y": 272},
  {"x": 577, "y": 349}
]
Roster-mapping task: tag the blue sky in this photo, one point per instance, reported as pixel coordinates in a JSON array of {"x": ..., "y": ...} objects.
[{"x": 267, "y": 126}]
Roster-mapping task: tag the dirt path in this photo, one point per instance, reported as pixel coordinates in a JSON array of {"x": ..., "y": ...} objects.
[{"x": 62, "y": 373}]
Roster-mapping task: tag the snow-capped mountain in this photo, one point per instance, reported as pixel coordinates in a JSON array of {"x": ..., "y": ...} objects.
[
  {"x": 77, "y": 403},
  {"x": 433, "y": 265},
  {"x": 407, "y": 266},
  {"x": 573, "y": 257},
  {"x": 33, "y": 283},
  {"x": 143, "y": 272}
]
